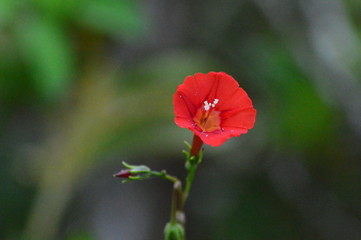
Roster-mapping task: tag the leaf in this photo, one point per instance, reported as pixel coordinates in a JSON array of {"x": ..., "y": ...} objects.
[
  {"x": 119, "y": 17},
  {"x": 47, "y": 54},
  {"x": 7, "y": 10}
]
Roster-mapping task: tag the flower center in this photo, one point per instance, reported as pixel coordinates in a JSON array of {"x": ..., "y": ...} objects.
[{"x": 207, "y": 118}]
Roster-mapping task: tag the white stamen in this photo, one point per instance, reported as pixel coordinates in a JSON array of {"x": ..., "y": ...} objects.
[{"x": 208, "y": 105}]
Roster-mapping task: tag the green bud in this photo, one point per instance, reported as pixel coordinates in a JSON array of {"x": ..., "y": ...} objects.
[
  {"x": 134, "y": 172},
  {"x": 174, "y": 231}
]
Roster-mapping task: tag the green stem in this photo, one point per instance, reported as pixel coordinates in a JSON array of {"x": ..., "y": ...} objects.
[
  {"x": 189, "y": 180},
  {"x": 174, "y": 230},
  {"x": 176, "y": 201},
  {"x": 165, "y": 176},
  {"x": 177, "y": 195}
]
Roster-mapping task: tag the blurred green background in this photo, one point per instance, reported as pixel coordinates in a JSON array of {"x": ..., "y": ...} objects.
[{"x": 87, "y": 84}]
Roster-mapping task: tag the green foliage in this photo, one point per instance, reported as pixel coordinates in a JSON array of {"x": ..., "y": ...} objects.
[
  {"x": 7, "y": 11},
  {"x": 300, "y": 118},
  {"x": 306, "y": 121},
  {"x": 113, "y": 17},
  {"x": 40, "y": 36},
  {"x": 48, "y": 54}
]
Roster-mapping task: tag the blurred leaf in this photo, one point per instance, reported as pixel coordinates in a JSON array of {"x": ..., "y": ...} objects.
[
  {"x": 119, "y": 17},
  {"x": 301, "y": 118},
  {"x": 57, "y": 8},
  {"x": 7, "y": 10},
  {"x": 48, "y": 55},
  {"x": 14, "y": 87},
  {"x": 306, "y": 120}
]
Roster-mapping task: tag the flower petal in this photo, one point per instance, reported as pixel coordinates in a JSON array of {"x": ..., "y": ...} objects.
[
  {"x": 239, "y": 119},
  {"x": 238, "y": 100},
  {"x": 225, "y": 88},
  {"x": 216, "y": 138},
  {"x": 183, "y": 107},
  {"x": 197, "y": 87},
  {"x": 213, "y": 86},
  {"x": 184, "y": 122}
]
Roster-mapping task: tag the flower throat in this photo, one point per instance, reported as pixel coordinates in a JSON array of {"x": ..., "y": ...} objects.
[{"x": 207, "y": 118}]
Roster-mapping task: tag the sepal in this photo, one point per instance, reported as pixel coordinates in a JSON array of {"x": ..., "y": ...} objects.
[
  {"x": 136, "y": 168},
  {"x": 192, "y": 161}
]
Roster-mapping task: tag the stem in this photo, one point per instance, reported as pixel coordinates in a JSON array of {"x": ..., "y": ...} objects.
[
  {"x": 189, "y": 180},
  {"x": 176, "y": 201},
  {"x": 165, "y": 176},
  {"x": 193, "y": 160},
  {"x": 174, "y": 230},
  {"x": 177, "y": 196}
]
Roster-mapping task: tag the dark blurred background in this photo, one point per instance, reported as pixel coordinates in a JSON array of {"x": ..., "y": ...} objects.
[{"x": 87, "y": 84}]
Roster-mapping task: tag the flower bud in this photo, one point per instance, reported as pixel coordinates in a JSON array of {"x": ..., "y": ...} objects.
[
  {"x": 123, "y": 174},
  {"x": 174, "y": 231},
  {"x": 134, "y": 172}
]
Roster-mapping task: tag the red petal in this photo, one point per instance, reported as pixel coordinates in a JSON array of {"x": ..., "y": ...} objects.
[
  {"x": 225, "y": 87},
  {"x": 184, "y": 122},
  {"x": 190, "y": 96},
  {"x": 238, "y": 100},
  {"x": 183, "y": 107},
  {"x": 216, "y": 138},
  {"x": 239, "y": 119},
  {"x": 207, "y": 87},
  {"x": 196, "y": 88},
  {"x": 210, "y": 86}
]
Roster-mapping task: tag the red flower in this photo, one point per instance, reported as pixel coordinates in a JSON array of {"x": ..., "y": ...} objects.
[{"x": 213, "y": 107}]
